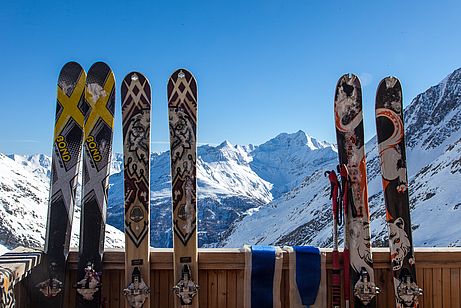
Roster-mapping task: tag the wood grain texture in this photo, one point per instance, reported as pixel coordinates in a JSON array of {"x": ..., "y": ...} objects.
[{"x": 221, "y": 276}]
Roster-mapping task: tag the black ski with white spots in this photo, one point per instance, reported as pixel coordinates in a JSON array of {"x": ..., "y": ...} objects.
[{"x": 391, "y": 144}]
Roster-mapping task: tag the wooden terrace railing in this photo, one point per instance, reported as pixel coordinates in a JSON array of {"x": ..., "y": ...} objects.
[{"x": 221, "y": 273}]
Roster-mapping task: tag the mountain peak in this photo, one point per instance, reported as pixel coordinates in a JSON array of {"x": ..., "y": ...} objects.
[
  {"x": 225, "y": 144},
  {"x": 37, "y": 163},
  {"x": 295, "y": 140}
]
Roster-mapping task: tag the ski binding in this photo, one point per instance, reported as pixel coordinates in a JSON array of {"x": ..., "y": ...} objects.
[
  {"x": 186, "y": 289},
  {"x": 90, "y": 284},
  {"x": 408, "y": 291},
  {"x": 365, "y": 290},
  {"x": 137, "y": 291},
  {"x": 52, "y": 286}
]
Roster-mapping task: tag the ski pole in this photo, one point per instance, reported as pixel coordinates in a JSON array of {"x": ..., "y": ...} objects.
[
  {"x": 335, "y": 276},
  {"x": 346, "y": 257}
]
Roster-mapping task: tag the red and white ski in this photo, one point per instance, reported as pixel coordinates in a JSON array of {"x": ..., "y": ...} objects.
[{"x": 351, "y": 151}]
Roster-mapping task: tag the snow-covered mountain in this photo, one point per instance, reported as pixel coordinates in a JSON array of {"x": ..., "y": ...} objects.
[
  {"x": 24, "y": 189},
  {"x": 288, "y": 158},
  {"x": 232, "y": 181},
  {"x": 433, "y": 132},
  {"x": 273, "y": 193}
]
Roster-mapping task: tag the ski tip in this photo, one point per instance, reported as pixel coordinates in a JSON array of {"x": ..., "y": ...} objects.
[
  {"x": 135, "y": 87},
  {"x": 72, "y": 66},
  {"x": 349, "y": 78},
  {"x": 346, "y": 85},
  {"x": 135, "y": 76},
  {"x": 181, "y": 73},
  {"x": 100, "y": 87},
  {"x": 100, "y": 71},
  {"x": 100, "y": 65},
  {"x": 184, "y": 76},
  {"x": 389, "y": 84},
  {"x": 71, "y": 70},
  {"x": 72, "y": 76}
]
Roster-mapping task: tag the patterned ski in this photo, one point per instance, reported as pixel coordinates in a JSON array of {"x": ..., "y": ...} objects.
[
  {"x": 391, "y": 144},
  {"x": 351, "y": 151},
  {"x": 182, "y": 111},
  {"x": 97, "y": 152},
  {"x": 136, "y": 106},
  {"x": 47, "y": 282}
]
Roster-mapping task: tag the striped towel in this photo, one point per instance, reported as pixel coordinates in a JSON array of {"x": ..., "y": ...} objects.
[
  {"x": 307, "y": 277},
  {"x": 15, "y": 266},
  {"x": 263, "y": 276}
]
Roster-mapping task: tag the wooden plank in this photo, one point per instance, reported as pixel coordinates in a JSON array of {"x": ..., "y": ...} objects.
[
  {"x": 328, "y": 275},
  {"x": 231, "y": 289},
  {"x": 240, "y": 290},
  {"x": 390, "y": 288},
  {"x": 455, "y": 287},
  {"x": 155, "y": 289},
  {"x": 437, "y": 287},
  {"x": 222, "y": 288},
  {"x": 428, "y": 300},
  {"x": 232, "y": 258},
  {"x": 171, "y": 282},
  {"x": 164, "y": 288},
  {"x": 446, "y": 288},
  {"x": 111, "y": 288},
  {"x": 203, "y": 291},
  {"x": 212, "y": 288},
  {"x": 383, "y": 279},
  {"x": 420, "y": 282}
]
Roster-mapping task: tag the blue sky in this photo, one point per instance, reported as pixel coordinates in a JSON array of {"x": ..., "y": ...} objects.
[{"x": 263, "y": 67}]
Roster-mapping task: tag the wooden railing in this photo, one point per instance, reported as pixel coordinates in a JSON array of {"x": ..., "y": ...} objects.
[{"x": 221, "y": 278}]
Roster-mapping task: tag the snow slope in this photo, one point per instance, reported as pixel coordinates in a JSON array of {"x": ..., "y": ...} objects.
[
  {"x": 24, "y": 185},
  {"x": 232, "y": 180},
  {"x": 433, "y": 130}
]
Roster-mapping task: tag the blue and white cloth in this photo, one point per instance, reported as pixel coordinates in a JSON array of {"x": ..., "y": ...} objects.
[
  {"x": 263, "y": 276},
  {"x": 307, "y": 276}
]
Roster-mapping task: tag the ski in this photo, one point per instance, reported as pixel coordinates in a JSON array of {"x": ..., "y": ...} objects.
[
  {"x": 136, "y": 106},
  {"x": 391, "y": 145},
  {"x": 97, "y": 152},
  {"x": 351, "y": 152},
  {"x": 47, "y": 282},
  {"x": 182, "y": 114}
]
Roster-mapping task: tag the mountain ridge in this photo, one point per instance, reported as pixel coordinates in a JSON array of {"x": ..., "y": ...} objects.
[{"x": 433, "y": 132}]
